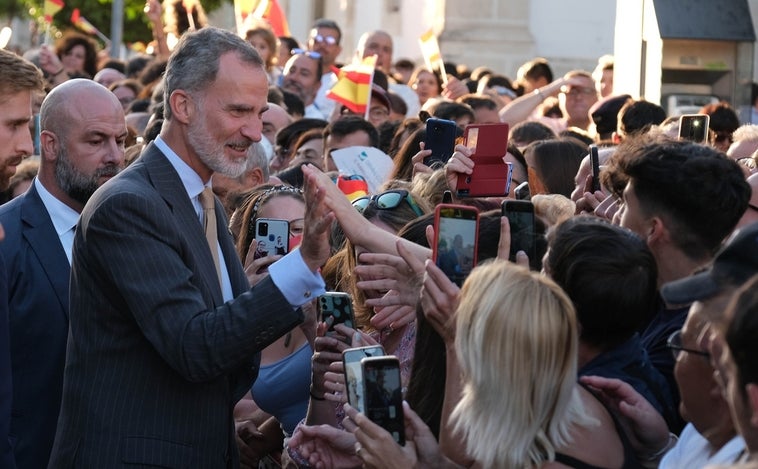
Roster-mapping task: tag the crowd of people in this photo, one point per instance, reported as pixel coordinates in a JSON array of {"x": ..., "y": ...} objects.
[{"x": 140, "y": 325}]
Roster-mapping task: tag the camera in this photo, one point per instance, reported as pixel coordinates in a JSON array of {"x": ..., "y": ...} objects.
[{"x": 263, "y": 229}]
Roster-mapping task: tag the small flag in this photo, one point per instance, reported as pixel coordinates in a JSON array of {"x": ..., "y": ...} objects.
[
  {"x": 81, "y": 22},
  {"x": 242, "y": 10},
  {"x": 430, "y": 49},
  {"x": 353, "y": 87},
  {"x": 270, "y": 11},
  {"x": 352, "y": 186},
  {"x": 50, "y": 8}
]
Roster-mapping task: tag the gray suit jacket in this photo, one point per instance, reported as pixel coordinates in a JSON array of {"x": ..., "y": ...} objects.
[{"x": 155, "y": 360}]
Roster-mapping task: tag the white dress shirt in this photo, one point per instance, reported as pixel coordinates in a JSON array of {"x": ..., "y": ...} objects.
[{"x": 64, "y": 218}]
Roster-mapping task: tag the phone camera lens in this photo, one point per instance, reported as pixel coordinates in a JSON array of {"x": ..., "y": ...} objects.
[{"x": 263, "y": 229}]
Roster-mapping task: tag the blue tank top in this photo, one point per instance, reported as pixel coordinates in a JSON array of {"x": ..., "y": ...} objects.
[{"x": 282, "y": 388}]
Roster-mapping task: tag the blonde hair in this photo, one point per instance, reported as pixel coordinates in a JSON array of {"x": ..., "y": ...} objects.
[
  {"x": 516, "y": 341},
  {"x": 553, "y": 208}
]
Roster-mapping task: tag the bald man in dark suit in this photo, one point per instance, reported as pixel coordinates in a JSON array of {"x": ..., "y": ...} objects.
[{"x": 164, "y": 341}]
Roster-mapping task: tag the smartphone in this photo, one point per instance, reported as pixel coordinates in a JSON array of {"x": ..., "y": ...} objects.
[
  {"x": 339, "y": 307},
  {"x": 351, "y": 359},
  {"x": 520, "y": 215},
  {"x": 492, "y": 174},
  {"x": 522, "y": 191},
  {"x": 383, "y": 395},
  {"x": 447, "y": 197},
  {"x": 273, "y": 237},
  {"x": 456, "y": 231},
  {"x": 440, "y": 138},
  {"x": 694, "y": 127},
  {"x": 595, "y": 163}
]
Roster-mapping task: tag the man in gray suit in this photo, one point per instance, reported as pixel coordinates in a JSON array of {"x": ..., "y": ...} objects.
[
  {"x": 82, "y": 146},
  {"x": 161, "y": 346}
]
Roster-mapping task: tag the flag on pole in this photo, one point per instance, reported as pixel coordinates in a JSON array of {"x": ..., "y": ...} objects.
[
  {"x": 430, "y": 49},
  {"x": 353, "y": 87},
  {"x": 242, "y": 11},
  {"x": 81, "y": 22},
  {"x": 271, "y": 12},
  {"x": 50, "y": 8}
]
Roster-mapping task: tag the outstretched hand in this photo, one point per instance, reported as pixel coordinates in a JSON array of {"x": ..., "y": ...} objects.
[{"x": 315, "y": 247}]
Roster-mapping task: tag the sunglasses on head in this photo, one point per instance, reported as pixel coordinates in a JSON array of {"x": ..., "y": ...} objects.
[
  {"x": 387, "y": 201},
  {"x": 308, "y": 53}
]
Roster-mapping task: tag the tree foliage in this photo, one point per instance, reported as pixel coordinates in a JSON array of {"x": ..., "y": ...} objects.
[{"x": 97, "y": 12}]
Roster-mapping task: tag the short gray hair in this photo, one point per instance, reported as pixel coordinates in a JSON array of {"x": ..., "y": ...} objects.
[
  {"x": 256, "y": 158},
  {"x": 193, "y": 65}
]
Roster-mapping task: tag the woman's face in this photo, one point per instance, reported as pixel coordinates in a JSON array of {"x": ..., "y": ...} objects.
[
  {"x": 261, "y": 46},
  {"x": 125, "y": 95},
  {"x": 284, "y": 207},
  {"x": 73, "y": 60},
  {"x": 426, "y": 86}
]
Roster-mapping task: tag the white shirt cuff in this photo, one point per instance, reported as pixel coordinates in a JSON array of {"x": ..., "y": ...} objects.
[{"x": 295, "y": 280}]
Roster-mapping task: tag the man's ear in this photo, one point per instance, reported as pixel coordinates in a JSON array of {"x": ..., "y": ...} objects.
[
  {"x": 657, "y": 231},
  {"x": 254, "y": 178},
  {"x": 182, "y": 106},
  {"x": 49, "y": 145},
  {"x": 751, "y": 389}
]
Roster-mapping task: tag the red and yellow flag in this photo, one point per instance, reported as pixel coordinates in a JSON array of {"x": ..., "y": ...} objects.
[
  {"x": 81, "y": 22},
  {"x": 50, "y": 8},
  {"x": 430, "y": 49},
  {"x": 271, "y": 12},
  {"x": 353, "y": 88}
]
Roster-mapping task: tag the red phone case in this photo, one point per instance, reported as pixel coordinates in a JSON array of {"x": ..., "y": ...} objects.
[{"x": 492, "y": 175}]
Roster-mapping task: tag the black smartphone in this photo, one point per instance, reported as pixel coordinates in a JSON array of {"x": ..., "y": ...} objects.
[
  {"x": 339, "y": 307},
  {"x": 520, "y": 215},
  {"x": 595, "y": 163},
  {"x": 440, "y": 139},
  {"x": 351, "y": 359},
  {"x": 383, "y": 394},
  {"x": 273, "y": 237},
  {"x": 456, "y": 233},
  {"x": 447, "y": 197},
  {"x": 694, "y": 127}
]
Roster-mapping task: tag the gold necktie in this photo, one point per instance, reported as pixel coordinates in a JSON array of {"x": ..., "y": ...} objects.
[{"x": 207, "y": 200}]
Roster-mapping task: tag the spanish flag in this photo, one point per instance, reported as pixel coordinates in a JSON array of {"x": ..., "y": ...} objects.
[
  {"x": 50, "y": 8},
  {"x": 353, "y": 88},
  {"x": 430, "y": 49},
  {"x": 81, "y": 22},
  {"x": 271, "y": 12}
]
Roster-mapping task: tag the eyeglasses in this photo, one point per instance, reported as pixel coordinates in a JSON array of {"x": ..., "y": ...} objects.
[
  {"x": 576, "y": 91},
  {"x": 387, "y": 201},
  {"x": 675, "y": 344},
  {"x": 308, "y": 53},
  {"x": 748, "y": 162},
  {"x": 319, "y": 39}
]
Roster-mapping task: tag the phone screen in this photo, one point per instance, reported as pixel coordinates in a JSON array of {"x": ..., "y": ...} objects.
[
  {"x": 384, "y": 395},
  {"x": 339, "y": 307},
  {"x": 351, "y": 359},
  {"x": 521, "y": 220},
  {"x": 456, "y": 231},
  {"x": 694, "y": 127}
]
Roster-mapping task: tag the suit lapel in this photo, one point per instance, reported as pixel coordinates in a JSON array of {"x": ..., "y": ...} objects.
[
  {"x": 168, "y": 184},
  {"x": 39, "y": 232}
]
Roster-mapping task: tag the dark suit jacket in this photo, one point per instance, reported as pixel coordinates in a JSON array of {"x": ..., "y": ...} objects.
[
  {"x": 156, "y": 360},
  {"x": 38, "y": 274},
  {"x": 6, "y": 380}
]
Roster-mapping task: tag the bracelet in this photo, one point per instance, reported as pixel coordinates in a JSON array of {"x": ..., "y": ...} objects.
[
  {"x": 673, "y": 439},
  {"x": 538, "y": 92},
  {"x": 315, "y": 397}
]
